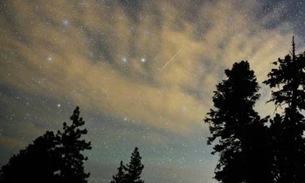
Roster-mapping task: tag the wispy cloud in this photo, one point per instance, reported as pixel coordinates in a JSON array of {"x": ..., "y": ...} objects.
[{"x": 108, "y": 55}]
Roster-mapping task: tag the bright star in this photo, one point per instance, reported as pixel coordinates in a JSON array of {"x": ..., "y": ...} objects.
[
  {"x": 58, "y": 105},
  {"x": 143, "y": 59},
  {"x": 124, "y": 59},
  {"x": 65, "y": 22},
  {"x": 49, "y": 58}
]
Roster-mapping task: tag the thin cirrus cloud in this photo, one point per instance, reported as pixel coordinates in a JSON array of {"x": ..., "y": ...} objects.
[{"x": 155, "y": 62}]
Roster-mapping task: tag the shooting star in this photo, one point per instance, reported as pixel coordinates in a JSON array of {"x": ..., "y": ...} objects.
[{"x": 170, "y": 60}]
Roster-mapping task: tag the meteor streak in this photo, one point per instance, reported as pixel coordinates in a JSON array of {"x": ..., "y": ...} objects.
[{"x": 170, "y": 60}]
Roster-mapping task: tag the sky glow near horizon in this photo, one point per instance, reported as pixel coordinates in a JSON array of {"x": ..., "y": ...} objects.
[{"x": 142, "y": 72}]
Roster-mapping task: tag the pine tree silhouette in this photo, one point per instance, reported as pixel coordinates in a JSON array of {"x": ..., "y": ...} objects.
[
  {"x": 35, "y": 163},
  {"x": 288, "y": 82},
  {"x": 134, "y": 168},
  {"x": 120, "y": 177},
  {"x": 72, "y": 163},
  {"x": 239, "y": 131},
  {"x": 131, "y": 173},
  {"x": 51, "y": 158}
]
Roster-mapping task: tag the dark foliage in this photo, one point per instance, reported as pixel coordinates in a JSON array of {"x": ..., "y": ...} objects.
[
  {"x": 131, "y": 173},
  {"x": 249, "y": 150},
  {"x": 237, "y": 130},
  {"x": 288, "y": 82},
  {"x": 51, "y": 158},
  {"x": 121, "y": 176},
  {"x": 134, "y": 168},
  {"x": 37, "y": 162}
]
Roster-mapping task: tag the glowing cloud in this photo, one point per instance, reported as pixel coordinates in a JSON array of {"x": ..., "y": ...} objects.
[{"x": 75, "y": 51}]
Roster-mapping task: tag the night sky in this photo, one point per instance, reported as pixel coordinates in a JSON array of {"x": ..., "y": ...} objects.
[{"x": 142, "y": 72}]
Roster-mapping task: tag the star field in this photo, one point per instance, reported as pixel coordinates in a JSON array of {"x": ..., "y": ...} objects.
[{"x": 142, "y": 72}]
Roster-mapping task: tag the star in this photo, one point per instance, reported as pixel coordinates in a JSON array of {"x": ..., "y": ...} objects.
[
  {"x": 143, "y": 59},
  {"x": 58, "y": 105},
  {"x": 65, "y": 22},
  {"x": 49, "y": 58},
  {"x": 124, "y": 59}
]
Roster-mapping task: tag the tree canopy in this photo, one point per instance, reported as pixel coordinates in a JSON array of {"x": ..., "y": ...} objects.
[
  {"x": 252, "y": 148},
  {"x": 287, "y": 81},
  {"x": 130, "y": 173},
  {"x": 51, "y": 157},
  {"x": 232, "y": 121}
]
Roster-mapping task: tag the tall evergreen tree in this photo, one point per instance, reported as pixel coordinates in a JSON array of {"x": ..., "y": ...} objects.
[
  {"x": 288, "y": 84},
  {"x": 51, "y": 158},
  {"x": 35, "y": 163},
  {"x": 120, "y": 177},
  {"x": 71, "y": 147},
  {"x": 237, "y": 130},
  {"x": 135, "y": 167},
  {"x": 131, "y": 173}
]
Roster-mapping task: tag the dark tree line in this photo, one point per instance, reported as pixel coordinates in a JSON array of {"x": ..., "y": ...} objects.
[
  {"x": 57, "y": 157},
  {"x": 252, "y": 148},
  {"x": 53, "y": 157}
]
